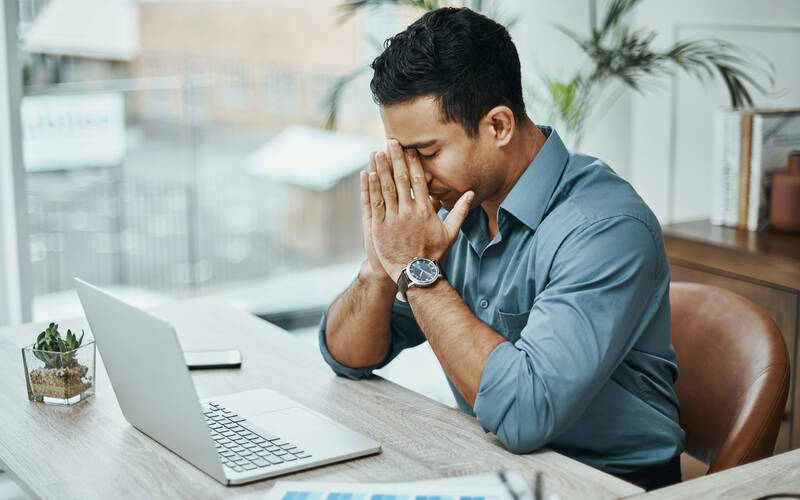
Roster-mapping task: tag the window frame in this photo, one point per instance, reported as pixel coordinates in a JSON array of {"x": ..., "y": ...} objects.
[{"x": 15, "y": 268}]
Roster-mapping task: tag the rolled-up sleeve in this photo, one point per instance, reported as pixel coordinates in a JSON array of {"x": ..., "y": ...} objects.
[
  {"x": 405, "y": 334},
  {"x": 581, "y": 326}
]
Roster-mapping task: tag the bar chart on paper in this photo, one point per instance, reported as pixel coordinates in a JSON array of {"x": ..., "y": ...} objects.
[
  {"x": 319, "y": 495},
  {"x": 476, "y": 487}
]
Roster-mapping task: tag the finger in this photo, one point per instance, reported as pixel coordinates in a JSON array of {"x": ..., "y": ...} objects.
[
  {"x": 366, "y": 208},
  {"x": 389, "y": 155},
  {"x": 457, "y": 215},
  {"x": 400, "y": 171},
  {"x": 418, "y": 182},
  {"x": 373, "y": 167},
  {"x": 376, "y": 202},
  {"x": 388, "y": 188}
]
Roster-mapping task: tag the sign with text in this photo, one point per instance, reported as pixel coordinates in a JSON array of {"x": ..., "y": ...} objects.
[{"x": 62, "y": 132}]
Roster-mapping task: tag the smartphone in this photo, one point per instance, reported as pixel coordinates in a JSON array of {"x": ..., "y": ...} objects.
[{"x": 207, "y": 360}]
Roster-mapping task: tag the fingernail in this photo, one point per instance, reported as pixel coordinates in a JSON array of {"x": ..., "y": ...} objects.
[
  {"x": 373, "y": 176},
  {"x": 381, "y": 156},
  {"x": 394, "y": 145}
]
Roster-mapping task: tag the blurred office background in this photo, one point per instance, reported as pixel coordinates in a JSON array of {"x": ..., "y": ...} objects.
[{"x": 177, "y": 148}]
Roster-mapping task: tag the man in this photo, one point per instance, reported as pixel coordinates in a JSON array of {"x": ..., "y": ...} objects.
[{"x": 550, "y": 316}]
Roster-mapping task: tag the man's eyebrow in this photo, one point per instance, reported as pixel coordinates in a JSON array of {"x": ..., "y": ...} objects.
[{"x": 421, "y": 145}]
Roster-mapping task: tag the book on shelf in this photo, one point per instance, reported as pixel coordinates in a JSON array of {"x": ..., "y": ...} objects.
[
  {"x": 775, "y": 134},
  {"x": 726, "y": 166},
  {"x": 749, "y": 146},
  {"x": 745, "y": 156}
]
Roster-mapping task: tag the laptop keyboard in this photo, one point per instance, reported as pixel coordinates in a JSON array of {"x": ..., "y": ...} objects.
[{"x": 245, "y": 447}]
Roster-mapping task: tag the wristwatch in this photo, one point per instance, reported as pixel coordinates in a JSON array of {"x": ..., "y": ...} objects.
[{"x": 419, "y": 272}]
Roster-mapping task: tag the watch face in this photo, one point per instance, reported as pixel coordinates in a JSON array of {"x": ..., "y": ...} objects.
[{"x": 423, "y": 271}]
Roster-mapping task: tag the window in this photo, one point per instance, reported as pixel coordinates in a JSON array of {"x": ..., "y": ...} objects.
[
  {"x": 233, "y": 87},
  {"x": 281, "y": 91},
  {"x": 155, "y": 183},
  {"x": 14, "y": 261}
]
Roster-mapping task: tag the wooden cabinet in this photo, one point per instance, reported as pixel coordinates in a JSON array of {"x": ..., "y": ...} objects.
[{"x": 762, "y": 266}]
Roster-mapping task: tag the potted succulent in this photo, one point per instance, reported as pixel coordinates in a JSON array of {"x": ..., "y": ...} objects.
[{"x": 59, "y": 370}]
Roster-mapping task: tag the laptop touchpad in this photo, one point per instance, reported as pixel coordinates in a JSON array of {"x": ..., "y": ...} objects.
[{"x": 293, "y": 424}]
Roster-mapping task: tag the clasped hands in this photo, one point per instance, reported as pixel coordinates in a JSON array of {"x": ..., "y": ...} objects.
[{"x": 398, "y": 227}]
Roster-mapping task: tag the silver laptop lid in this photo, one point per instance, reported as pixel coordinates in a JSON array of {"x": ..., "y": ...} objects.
[{"x": 145, "y": 363}]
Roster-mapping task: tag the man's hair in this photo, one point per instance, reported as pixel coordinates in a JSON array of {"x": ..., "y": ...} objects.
[{"x": 463, "y": 59}]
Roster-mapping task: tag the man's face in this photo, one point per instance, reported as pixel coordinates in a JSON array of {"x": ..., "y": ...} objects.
[{"x": 454, "y": 163}]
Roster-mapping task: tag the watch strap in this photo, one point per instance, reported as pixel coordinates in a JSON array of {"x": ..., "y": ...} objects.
[{"x": 402, "y": 284}]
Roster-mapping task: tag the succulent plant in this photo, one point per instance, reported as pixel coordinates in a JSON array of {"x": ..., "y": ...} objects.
[{"x": 54, "y": 351}]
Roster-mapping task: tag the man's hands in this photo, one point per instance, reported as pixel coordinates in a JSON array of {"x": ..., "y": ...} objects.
[
  {"x": 374, "y": 266},
  {"x": 397, "y": 228}
]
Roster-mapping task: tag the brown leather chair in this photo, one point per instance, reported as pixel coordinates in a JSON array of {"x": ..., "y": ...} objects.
[{"x": 733, "y": 375}]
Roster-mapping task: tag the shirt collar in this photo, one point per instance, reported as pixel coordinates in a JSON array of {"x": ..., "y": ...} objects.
[{"x": 531, "y": 195}]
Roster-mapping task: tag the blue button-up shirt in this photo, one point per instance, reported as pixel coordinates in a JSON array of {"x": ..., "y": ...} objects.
[{"x": 577, "y": 281}]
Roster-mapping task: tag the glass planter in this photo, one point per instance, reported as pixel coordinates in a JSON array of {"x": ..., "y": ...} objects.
[{"x": 59, "y": 378}]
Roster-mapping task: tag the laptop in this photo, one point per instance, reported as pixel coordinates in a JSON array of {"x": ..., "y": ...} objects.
[{"x": 234, "y": 438}]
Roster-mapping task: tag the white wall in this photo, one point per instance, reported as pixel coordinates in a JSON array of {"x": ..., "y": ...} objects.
[
  {"x": 544, "y": 49},
  {"x": 660, "y": 140},
  {"x": 672, "y": 132}
]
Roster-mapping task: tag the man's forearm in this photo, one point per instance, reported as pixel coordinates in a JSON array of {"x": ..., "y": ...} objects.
[
  {"x": 460, "y": 340},
  {"x": 357, "y": 330}
]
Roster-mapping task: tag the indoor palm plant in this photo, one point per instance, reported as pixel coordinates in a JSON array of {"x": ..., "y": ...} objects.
[
  {"x": 617, "y": 54},
  {"x": 59, "y": 370}
]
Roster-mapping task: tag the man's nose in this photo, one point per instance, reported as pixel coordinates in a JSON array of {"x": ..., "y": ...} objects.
[{"x": 428, "y": 177}]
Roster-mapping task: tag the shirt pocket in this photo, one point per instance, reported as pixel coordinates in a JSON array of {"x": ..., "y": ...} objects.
[{"x": 511, "y": 324}]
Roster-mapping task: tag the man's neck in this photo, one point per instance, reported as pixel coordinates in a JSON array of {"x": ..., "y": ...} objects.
[{"x": 525, "y": 149}]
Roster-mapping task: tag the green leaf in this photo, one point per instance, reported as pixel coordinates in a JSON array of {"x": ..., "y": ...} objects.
[
  {"x": 50, "y": 340},
  {"x": 334, "y": 98},
  {"x": 593, "y": 19},
  {"x": 617, "y": 9},
  {"x": 621, "y": 53}
]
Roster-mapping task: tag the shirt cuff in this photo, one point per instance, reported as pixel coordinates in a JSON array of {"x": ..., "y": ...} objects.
[
  {"x": 340, "y": 369},
  {"x": 498, "y": 387}
]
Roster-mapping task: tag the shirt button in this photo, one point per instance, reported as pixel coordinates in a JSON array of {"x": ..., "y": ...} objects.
[{"x": 484, "y": 303}]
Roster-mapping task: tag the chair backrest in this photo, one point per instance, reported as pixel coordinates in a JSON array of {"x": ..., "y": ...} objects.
[{"x": 733, "y": 375}]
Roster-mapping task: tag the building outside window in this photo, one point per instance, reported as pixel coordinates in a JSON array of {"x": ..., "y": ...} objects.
[
  {"x": 199, "y": 89},
  {"x": 282, "y": 91},
  {"x": 233, "y": 86},
  {"x": 180, "y": 211}
]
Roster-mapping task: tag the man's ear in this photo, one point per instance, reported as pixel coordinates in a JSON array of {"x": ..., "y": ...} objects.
[{"x": 499, "y": 121}]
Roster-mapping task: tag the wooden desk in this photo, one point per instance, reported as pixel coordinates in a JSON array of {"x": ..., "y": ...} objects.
[
  {"x": 777, "y": 474},
  {"x": 762, "y": 266},
  {"x": 90, "y": 451}
]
